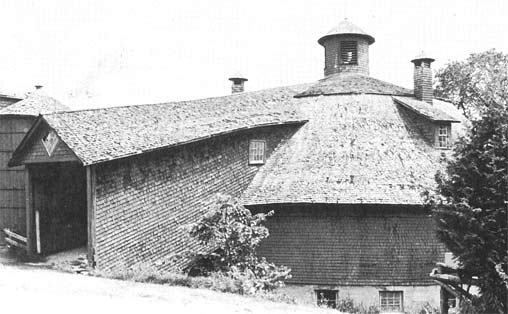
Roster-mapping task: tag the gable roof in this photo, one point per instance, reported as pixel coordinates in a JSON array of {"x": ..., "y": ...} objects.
[
  {"x": 100, "y": 135},
  {"x": 34, "y": 104},
  {"x": 354, "y": 149},
  {"x": 353, "y": 83},
  {"x": 425, "y": 109}
]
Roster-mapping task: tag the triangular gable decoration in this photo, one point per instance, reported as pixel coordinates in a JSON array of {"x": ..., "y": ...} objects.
[{"x": 50, "y": 140}]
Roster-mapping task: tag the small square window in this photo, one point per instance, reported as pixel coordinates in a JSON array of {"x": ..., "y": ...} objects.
[
  {"x": 257, "y": 152},
  {"x": 327, "y": 298},
  {"x": 348, "y": 52},
  {"x": 443, "y": 137},
  {"x": 390, "y": 301}
]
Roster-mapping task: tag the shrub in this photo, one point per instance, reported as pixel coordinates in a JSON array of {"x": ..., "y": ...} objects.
[{"x": 231, "y": 233}]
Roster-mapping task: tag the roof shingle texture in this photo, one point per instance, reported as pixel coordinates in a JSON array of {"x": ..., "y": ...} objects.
[
  {"x": 354, "y": 149},
  {"x": 346, "y": 28},
  {"x": 352, "y": 83},
  {"x": 105, "y": 134},
  {"x": 33, "y": 105},
  {"x": 427, "y": 110}
]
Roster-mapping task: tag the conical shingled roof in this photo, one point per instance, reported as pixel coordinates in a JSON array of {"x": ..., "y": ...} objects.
[
  {"x": 354, "y": 149},
  {"x": 346, "y": 28},
  {"x": 34, "y": 104}
]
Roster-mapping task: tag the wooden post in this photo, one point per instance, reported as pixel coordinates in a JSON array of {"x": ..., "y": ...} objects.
[
  {"x": 90, "y": 204},
  {"x": 30, "y": 231}
]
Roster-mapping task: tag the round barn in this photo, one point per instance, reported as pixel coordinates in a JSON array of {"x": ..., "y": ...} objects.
[{"x": 342, "y": 162}]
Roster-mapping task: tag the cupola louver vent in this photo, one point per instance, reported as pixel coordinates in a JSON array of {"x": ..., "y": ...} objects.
[{"x": 348, "y": 52}]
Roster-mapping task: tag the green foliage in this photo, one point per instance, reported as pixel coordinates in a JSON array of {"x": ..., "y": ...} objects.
[
  {"x": 347, "y": 305},
  {"x": 231, "y": 233},
  {"x": 477, "y": 85},
  {"x": 150, "y": 274},
  {"x": 471, "y": 211}
]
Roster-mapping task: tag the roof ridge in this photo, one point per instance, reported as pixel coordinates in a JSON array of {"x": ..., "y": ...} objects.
[
  {"x": 179, "y": 101},
  {"x": 353, "y": 83}
]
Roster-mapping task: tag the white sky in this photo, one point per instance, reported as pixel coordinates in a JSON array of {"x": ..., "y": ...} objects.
[{"x": 105, "y": 53}]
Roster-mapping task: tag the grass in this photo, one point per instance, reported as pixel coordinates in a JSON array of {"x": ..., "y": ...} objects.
[{"x": 215, "y": 282}]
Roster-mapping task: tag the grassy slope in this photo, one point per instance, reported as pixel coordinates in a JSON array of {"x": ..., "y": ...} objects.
[{"x": 29, "y": 289}]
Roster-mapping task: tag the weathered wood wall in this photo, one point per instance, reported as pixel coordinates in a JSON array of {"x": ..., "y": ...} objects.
[{"x": 12, "y": 190}]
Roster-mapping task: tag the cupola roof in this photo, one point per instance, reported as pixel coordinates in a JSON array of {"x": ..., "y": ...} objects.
[{"x": 346, "y": 28}]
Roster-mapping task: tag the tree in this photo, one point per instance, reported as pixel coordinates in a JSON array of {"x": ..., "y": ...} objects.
[
  {"x": 231, "y": 233},
  {"x": 471, "y": 211}
]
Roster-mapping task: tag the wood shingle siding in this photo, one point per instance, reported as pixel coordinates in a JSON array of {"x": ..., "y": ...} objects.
[
  {"x": 143, "y": 203},
  {"x": 353, "y": 244},
  {"x": 36, "y": 153},
  {"x": 12, "y": 186},
  {"x": 16, "y": 118}
]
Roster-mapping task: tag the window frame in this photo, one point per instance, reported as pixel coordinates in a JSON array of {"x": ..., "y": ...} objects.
[
  {"x": 252, "y": 160},
  {"x": 446, "y": 136},
  {"x": 388, "y": 308},
  {"x": 329, "y": 303}
]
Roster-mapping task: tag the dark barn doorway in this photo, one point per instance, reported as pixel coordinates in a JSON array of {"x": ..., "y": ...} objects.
[{"x": 59, "y": 206}]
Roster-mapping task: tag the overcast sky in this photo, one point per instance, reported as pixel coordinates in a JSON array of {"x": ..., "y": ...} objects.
[{"x": 104, "y": 53}]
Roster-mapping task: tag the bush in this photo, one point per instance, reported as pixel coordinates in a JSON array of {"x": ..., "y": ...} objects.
[{"x": 231, "y": 233}]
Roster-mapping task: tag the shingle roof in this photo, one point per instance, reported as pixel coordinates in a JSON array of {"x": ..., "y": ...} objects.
[
  {"x": 354, "y": 149},
  {"x": 104, "y": 134},
  {"x": 352, "y": 83},
  {"x": 423, "y": 108},
  {"x": 33, "y": 105},
  {"x": 346, "y": 28}
]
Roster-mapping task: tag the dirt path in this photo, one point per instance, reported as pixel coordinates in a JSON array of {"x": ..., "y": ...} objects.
[{"x": 35, "y": 290}]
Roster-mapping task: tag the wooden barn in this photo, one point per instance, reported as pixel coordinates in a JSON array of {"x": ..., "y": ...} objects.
[
  {"x": 16, "y": 118},
  {"x": 342, "y": 162}
]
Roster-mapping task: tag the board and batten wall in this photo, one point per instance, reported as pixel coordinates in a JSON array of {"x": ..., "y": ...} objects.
[{"x": 12, "y": 184}]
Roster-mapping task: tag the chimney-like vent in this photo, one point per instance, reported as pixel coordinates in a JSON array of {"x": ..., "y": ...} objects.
[
  {"x": 238, "y": 83},
  {"x": 423, "y": 78}
]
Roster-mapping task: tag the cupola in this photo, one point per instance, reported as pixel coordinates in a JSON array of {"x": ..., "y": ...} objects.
[{"x": 346, "y": 49}]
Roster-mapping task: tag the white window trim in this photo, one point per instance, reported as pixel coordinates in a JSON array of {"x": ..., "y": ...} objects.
[
  {"x": 252, "y": 160},
  {"x": 401, "y": 300},
  {"x": 447, "y": 129}
]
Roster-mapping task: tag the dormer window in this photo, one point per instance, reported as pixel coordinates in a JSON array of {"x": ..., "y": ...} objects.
[
  {"x": 257, "y": 152},
  {"x": 348, "y": 52},
  {"x": 443, "y": 136}
]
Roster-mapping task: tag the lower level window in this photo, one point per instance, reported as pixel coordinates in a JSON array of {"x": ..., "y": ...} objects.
[
  {"x": 327, "y": 298},
  {"x": 390, "y": 301}
]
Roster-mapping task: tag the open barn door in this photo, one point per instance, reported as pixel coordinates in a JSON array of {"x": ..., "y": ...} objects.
[{"x": 59, "y": 207}]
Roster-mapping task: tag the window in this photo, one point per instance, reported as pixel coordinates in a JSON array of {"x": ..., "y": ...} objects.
[
  {"x": 390, "y": 301},
  {"x": 256, "y": 152},
  {"x": 327, "y": 298},
  {"x": 348, "y": 52},
  {"x": 452, "y": 301},
  {"x": 443, "y": 137}
]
